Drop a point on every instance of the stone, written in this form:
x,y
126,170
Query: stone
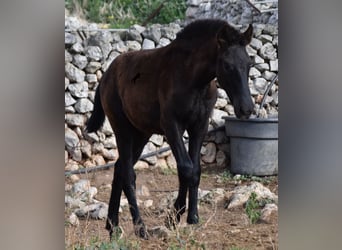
x,y
71,139
254,73
66,156
267,51
131,35
73,73
110,142
221,103
171,161
100,212
77,48
91,78
170,31
67,57
80,61
258,60
216,117
239,196
251,51
94,53
268,75
66,83
68,99
83,105
98,160
73,203
79,90
260,85
71,165
153,33
230,109
88,195
139,165
210,153
81,186
120,47
69,39
265,38
74,178
106,128
269,213
255,43
86,148
109,154
148,44
109,60
157,140
221,93
95,211
163,42
133,45
92,67
91,137
139,28
221,158
262,67
274,65
75,120
97,147
150,148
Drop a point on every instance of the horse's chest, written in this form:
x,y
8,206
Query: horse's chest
x,y
194,108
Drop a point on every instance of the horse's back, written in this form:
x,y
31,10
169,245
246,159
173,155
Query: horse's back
x,y
131,84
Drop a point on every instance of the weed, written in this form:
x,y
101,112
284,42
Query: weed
x,y
124,13
169,171
252,208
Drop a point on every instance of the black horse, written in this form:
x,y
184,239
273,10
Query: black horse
x,y
167,91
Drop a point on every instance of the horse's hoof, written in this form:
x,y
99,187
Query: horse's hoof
x,y
115,233
192,219
140,231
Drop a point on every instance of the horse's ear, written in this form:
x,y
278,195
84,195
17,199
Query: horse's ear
x,y
248,34
222,38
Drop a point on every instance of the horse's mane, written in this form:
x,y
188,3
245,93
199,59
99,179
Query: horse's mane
x,y
204,29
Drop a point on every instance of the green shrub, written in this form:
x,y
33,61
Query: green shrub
x,y
124,13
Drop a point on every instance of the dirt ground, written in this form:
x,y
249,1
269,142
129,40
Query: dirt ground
x,y
219,228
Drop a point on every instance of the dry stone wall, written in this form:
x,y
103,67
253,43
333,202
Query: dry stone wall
x,y
89,52
237,12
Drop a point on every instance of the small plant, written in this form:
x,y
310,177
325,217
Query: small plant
x,y
125,13
225,176
253,208
169,171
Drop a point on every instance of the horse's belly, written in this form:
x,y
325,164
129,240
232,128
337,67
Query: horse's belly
x,y
145,117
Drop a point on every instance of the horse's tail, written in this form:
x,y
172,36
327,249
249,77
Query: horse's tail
x,y
98,116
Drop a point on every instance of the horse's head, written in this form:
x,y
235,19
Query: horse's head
x,y
232,69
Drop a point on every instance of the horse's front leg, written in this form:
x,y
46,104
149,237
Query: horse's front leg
x,y
196,137
174,135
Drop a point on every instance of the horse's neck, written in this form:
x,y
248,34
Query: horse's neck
x,y
202,64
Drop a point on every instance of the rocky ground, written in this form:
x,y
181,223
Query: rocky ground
x,y
224,222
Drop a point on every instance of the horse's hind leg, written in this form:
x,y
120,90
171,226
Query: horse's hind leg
x,y
129,187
